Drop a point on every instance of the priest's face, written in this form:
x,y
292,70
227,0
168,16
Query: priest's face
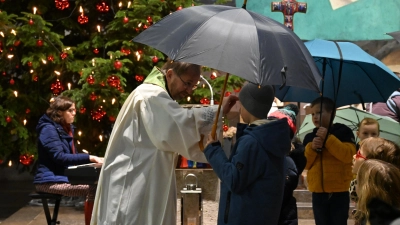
x,y
182,85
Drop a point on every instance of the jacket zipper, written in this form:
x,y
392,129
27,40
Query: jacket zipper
x,y
228,201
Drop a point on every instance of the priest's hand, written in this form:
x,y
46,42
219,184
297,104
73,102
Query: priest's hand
x,y
229,103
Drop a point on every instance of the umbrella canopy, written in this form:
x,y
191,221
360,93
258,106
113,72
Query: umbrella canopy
x,y
395,35
351,117
234,40
350,75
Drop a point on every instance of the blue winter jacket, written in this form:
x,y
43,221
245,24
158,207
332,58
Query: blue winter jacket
x,y
55,152
252,179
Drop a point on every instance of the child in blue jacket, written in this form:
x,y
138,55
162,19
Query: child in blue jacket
x,y
253,178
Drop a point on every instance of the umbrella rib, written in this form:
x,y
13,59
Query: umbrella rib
x,y
370,77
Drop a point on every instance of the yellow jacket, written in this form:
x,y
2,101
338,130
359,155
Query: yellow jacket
x,y
330,170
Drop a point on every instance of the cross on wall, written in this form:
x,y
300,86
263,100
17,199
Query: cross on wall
x,y
289,8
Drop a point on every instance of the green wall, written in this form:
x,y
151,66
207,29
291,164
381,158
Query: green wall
x,y
360,20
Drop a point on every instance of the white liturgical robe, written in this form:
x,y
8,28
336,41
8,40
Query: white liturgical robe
x,y
137,183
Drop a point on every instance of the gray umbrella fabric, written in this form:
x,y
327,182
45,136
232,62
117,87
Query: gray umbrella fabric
x,y
395,35
234,40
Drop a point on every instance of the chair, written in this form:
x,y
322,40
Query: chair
x,y
44,197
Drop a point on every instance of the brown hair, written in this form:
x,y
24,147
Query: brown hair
x,y
60,104
327,104
368,121
377,179
382,149
180,67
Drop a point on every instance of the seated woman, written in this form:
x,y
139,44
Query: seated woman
x,y
57,151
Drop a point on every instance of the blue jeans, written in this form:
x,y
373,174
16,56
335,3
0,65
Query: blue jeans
x,y
331,208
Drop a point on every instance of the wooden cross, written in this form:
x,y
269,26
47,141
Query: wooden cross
x,y
289,8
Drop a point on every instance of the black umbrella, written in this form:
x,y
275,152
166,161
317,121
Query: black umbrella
x,y
234,40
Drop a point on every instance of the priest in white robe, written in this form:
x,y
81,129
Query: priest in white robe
x,y
137,184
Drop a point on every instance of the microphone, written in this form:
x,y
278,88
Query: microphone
x,y
209,86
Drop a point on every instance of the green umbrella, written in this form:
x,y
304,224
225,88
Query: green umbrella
x,y
351,117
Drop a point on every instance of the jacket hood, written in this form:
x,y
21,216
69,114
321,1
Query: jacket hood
x,y
45,120
272,134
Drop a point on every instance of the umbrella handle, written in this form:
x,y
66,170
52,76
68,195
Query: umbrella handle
x,y
244,4
214,127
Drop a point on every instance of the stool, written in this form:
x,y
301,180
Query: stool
x,y
44,196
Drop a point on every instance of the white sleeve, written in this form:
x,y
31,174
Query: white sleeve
x,y
173,128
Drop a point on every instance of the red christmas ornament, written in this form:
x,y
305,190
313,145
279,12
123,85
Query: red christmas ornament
x,y
125,20
12,82
17,42
225,127
90,80
179,8
63,55
82,110
117,65
204,101
93,96
56,87
50,58
96,51
126,51
227,94
82,19
139,78
8,119
145,27
27,111
31,22
140,51
102,7
113,81
212,76
120,89
39,43
29,64
62,4
149,20
111,118
35,78
98,114
155,59
26,159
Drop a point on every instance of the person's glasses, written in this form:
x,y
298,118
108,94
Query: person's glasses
x,y
187,84
71,110
358,155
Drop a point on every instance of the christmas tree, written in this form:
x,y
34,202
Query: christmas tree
x,y
81,49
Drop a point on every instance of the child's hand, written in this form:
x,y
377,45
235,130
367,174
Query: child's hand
x,y
321,133
317,143
210,139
